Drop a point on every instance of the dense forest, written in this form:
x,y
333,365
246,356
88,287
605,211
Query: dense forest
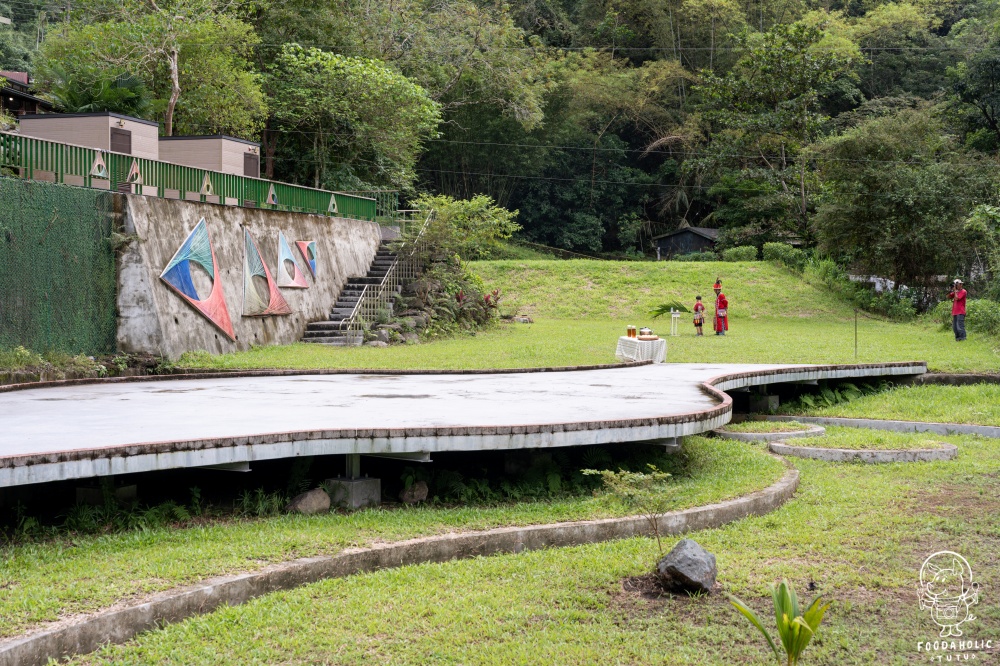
x,y
866,129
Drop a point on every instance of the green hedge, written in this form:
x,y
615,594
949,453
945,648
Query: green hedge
x,y
741,253
783,253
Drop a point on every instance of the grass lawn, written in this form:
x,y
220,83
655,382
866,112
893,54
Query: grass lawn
x,y
977,404
858,533
857,438
766,426
44,581
581,307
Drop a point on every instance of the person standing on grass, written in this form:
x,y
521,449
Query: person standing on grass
x,y
721,309
957,297
699,315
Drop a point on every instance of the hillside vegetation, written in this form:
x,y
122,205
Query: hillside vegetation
x,y
584,289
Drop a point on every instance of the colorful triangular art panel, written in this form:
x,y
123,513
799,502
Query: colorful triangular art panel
x,y
272,196
99,169
206,186
308,250
134,175
256,304
289,274
197,248
333,204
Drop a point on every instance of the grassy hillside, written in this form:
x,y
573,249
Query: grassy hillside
x,y
580,308
589,289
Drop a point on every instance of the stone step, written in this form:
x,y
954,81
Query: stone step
x,y
345,341
327,325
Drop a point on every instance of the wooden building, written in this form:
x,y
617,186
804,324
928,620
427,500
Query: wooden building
x,y
16,96
224,154
104,131
685,241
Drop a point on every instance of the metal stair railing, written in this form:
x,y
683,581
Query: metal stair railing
x,y
374,298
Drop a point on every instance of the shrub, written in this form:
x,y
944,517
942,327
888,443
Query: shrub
x,y
741,253
697,256
471,228
982,315
892,304
785,254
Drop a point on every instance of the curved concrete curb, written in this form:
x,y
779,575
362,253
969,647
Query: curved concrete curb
x,y
814,431
873,456
897,426
118,625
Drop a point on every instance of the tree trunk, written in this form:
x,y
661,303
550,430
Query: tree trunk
x,y
270,141
175,92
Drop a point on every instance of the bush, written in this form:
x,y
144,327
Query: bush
x,y
471,228
982,315
892,304
697,256
741,253
785,254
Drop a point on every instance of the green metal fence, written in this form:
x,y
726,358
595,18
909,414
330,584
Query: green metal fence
x,y
38,159
57,266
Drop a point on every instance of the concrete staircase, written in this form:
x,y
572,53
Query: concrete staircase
x,y
333,331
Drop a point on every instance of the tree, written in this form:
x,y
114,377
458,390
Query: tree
x,y
190,53
354,115
767,108
92,92
898,193
976,83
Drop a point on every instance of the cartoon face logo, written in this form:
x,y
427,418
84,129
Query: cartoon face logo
x,y
948,591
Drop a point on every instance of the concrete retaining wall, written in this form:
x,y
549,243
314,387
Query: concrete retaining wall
x,y
946,452
153,319
119,625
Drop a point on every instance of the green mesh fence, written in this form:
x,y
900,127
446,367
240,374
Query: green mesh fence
x,y
57,267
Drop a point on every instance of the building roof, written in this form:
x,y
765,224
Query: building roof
x,y
704,232
17,77
209,136
49,116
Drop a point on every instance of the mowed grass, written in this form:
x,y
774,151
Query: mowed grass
x,y
857,533
858,439
580,308
977,404
42,582
766,426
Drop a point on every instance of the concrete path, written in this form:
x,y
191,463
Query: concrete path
x,y
80,431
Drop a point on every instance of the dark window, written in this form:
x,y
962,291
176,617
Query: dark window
x,y
251,165
121,141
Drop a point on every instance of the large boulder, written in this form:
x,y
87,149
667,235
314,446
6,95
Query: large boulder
x,y
417,492
687,568
313,501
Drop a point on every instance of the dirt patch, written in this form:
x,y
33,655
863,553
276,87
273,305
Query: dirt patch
x,y
643,596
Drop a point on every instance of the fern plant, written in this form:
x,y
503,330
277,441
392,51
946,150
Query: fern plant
x,y
795,630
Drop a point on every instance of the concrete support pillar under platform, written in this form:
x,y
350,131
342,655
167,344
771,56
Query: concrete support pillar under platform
x,y
351,491
355,493
766,404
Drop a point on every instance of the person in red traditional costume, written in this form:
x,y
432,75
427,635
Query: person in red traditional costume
x,y
699,316
721,309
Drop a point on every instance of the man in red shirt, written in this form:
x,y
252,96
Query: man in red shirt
x,y
721,309
957,296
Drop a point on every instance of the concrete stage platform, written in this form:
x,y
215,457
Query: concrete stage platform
x,y
84,430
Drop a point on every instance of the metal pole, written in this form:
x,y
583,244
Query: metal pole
x,y
855,334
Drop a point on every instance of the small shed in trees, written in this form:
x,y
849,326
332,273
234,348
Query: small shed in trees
x,y
685,241
224,154
104,131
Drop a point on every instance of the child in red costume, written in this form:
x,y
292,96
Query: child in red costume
x,y
699,315
721,309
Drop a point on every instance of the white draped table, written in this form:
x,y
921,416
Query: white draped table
x,y
631,349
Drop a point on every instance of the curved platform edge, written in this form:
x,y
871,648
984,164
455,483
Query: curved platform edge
x,y
117,625
152,456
